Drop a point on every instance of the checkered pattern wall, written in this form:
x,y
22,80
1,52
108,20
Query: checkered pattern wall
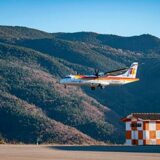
x,y
142,132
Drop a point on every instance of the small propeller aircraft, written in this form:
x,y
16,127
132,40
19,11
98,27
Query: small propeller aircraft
x,y
101,80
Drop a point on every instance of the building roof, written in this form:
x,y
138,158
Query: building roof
x,y
143,116
147,116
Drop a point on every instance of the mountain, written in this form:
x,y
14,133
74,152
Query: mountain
x,y
34,105
15,33
143,43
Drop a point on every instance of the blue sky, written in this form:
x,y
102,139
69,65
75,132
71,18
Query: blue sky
x,y
120,17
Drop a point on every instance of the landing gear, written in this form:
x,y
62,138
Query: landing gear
x,y
93,88
102,87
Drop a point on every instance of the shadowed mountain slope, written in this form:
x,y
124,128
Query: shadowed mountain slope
x,y
32,62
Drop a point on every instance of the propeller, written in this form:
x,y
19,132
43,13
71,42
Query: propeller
x,y
96,72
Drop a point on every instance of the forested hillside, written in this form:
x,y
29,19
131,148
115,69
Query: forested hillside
x,y
34,105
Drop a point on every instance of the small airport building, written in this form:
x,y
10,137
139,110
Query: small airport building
x,y
142,129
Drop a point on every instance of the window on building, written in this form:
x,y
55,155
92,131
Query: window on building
x,y
136,124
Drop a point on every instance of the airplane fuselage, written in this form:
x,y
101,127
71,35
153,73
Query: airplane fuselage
x,y
102,80
96,81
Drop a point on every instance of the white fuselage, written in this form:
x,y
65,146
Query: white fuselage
x,y
95,81
102,80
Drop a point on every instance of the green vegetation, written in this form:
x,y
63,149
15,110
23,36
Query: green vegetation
x,y
22,122
31,77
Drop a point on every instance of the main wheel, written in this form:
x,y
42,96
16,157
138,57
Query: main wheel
x,y
102,87
93,88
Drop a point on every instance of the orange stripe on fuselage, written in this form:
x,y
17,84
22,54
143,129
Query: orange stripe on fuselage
x,y
118,78
105,78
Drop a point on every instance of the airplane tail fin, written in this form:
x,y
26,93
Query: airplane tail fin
x,y
132,71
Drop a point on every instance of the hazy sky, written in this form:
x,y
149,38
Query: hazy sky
x,y
121,17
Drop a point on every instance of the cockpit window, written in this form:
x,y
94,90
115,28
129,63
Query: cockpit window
x,y
67,77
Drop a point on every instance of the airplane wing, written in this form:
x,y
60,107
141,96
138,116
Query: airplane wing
x,y
116,72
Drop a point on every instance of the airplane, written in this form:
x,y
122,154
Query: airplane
x,y
101,80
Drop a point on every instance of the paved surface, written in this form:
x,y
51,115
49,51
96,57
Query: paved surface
x,y
46,152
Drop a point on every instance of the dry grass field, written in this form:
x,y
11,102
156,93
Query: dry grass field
x,y
48,152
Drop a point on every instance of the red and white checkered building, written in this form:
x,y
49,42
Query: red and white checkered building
x,y
142,129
